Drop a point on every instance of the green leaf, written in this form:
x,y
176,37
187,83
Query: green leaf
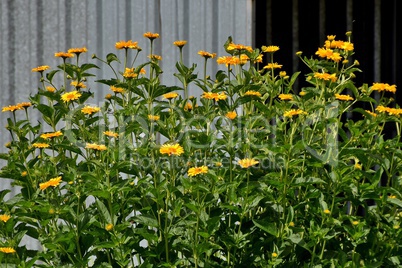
x,y
103,211
146,220
112,57
266,226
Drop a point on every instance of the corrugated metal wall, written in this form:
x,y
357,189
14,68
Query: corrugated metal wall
x,y
31,31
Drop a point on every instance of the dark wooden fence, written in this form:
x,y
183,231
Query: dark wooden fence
x,y
304,24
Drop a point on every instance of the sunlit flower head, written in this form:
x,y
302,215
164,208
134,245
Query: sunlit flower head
x,y
7,250
188,106
274,65
51,135
228,60
239,47
40,69
343,97
269,49
206,55
111,134
24,173
180,43
109,227
383,87
11,108
231,115
153,117
171,149
282,74
117,89
331,37
274,254
40,145
327,211
77,84
94,146
194,171
151,36
247,162
127,45
293,112
170,95
4,217
129,73
214,96
50,89
90,110
252,93
52,182
326,76
347,46
285,97
389,110
63,55
70,96
78,50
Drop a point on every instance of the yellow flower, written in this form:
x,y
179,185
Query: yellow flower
x,y
111,134
231,115
63,55
52,182
299,53
228,60
70,96
153,117
40,69
252,93
383,87
232,46
109,227
4,217
343,97
358,166
331,37
194,171
127,44
273,66
355,222
170,149
347,46
390,111
180,43
327,211
24,173
285,96
51,135
151,36
155,57
77,50
11,108
291,224
188,106
90,110
269,49
99,147
302,93
50,89
129,73
143,71
78,84
293,112
170,95
108,96
40,145
371,113
214,96
326,76
7,250
247,162
117,89
206,55
274,254
282,74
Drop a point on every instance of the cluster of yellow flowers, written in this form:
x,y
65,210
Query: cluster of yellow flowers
x,y
390,111
18,106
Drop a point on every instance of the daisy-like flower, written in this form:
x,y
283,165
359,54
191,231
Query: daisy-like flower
x,y
171,149
269,49
50,89
109,227
70,96
98,147
77,50
51,135
247,162
129,73
326,76
239,47
151,36
274,65
293,112
153,117
214,96
117,89
343,97
11,108
90,110
40,69
180,43
390,111
231,115
7,250
286,97
63,55
170,95
155,57
188,106
24,105
78,84
347,46
383,87
4,217
127,44
282,74
40,145
111,134
252,93
228,60
52,182
194,171
206,55
327,211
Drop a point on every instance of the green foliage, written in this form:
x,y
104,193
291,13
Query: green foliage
x,y
252,173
